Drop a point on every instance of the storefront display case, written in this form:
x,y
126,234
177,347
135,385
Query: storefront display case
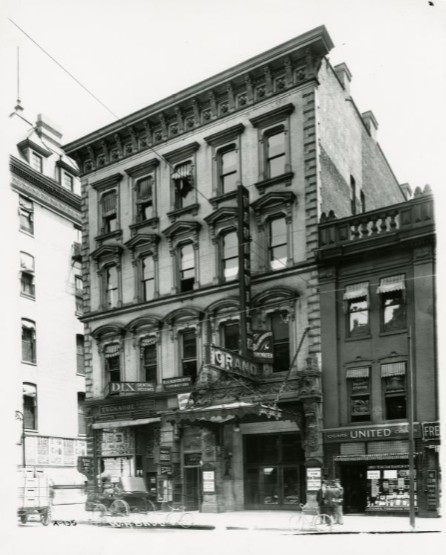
x,y
388,488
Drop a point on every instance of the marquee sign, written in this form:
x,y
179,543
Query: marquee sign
x,y
232,362
131,387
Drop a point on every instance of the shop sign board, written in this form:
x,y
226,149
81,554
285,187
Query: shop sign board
x,y
176,383
369,433
208,481
314,477
244,264
233,363
262,346
165,469
131,387
431,430
432,493
165,454
192,459
373,474
122,408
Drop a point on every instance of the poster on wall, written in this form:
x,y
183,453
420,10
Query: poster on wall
x,y
208,481
56,450
373,474
68,452
313,479
42,450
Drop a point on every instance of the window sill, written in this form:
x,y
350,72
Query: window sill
x,y
112,234
29,233
81,375
359,337
192,209
151,222
284,179
393,332
31,430
30,297
215,201
29,363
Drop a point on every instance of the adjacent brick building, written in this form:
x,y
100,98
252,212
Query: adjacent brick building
x,y
377,295
168,397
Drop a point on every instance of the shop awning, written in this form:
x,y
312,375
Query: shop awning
x,y
389,284
124,423
224,412
356,291
377,457
394,369
362,372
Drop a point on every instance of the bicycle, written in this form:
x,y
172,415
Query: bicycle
x,y
302,522
173,518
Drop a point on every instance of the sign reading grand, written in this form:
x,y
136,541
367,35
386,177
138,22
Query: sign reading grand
x,y
231,362
368,433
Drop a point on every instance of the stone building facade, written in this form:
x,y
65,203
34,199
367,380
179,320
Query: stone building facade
x,y
267,144
377,294
46,300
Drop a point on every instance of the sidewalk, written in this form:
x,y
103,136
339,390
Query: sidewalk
x,y
251,520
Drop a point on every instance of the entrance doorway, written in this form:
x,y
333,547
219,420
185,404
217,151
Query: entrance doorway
x,y
354,481
192,487
274,471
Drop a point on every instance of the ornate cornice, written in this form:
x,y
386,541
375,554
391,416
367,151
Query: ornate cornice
x,y
269,74
44,189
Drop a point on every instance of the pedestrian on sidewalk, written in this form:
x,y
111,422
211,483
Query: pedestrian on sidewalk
x,y
339,500
330,500
320,497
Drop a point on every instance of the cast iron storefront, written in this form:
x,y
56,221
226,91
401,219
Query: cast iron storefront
x,y
373,465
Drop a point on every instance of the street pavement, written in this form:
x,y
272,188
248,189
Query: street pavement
x,y
246,520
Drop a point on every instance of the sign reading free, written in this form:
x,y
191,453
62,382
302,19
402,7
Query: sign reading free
x,y
232,362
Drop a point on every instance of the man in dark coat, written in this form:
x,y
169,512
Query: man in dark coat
x,y
330,500
320,497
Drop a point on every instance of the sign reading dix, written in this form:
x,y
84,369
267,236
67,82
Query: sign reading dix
x,y
369,433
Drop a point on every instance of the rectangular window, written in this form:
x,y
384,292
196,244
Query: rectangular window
x,y
353,194
78,291
144,199
112,363
231,336
230,256
36,162
394,385
281,341
30,406
392,293
81,423
277,246
67,181
362,195
150,362
111,287
183,186
356,303
359,392
187,267
28,341
275,154
109,215
27,286
189,354
26,215
227,168
148,278
80,369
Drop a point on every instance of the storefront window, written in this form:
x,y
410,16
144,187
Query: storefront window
x,y
388,488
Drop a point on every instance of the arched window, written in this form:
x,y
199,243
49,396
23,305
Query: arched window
x,y
112,362
230,335
277,243
279,322
229,256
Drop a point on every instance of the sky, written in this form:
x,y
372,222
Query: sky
x,y
133,53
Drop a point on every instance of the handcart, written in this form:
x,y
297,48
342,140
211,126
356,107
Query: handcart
x,y
34,495
130,495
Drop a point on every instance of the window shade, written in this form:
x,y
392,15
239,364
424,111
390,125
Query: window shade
x,y
394,369
109,203
362,372
389,284
112,350
356,291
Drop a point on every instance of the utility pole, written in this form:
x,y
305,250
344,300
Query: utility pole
x,y
410,411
